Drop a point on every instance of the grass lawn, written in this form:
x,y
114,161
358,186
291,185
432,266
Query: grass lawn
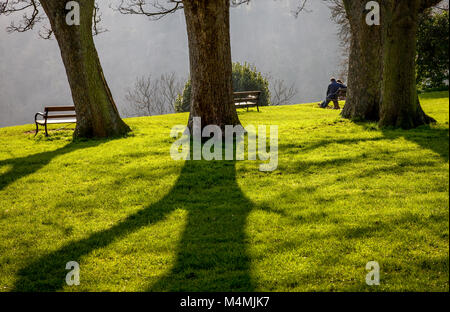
x,y
344,194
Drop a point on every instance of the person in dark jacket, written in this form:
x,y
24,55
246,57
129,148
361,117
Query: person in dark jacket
x,y
332,93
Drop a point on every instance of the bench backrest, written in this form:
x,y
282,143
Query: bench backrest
x,y
246,96
53,110
342,92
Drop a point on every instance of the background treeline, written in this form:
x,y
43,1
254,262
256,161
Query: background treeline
x,y
432,60
169,93
432,69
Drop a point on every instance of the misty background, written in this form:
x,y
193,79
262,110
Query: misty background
x,y
304,51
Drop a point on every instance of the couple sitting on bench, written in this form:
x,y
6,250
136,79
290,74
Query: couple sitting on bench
x,y
334,91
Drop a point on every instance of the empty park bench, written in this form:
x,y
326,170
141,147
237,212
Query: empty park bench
x,y
52,115
247,99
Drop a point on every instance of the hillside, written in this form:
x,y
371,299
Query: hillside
x,y
344,194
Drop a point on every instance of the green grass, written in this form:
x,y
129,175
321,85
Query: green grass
x,y
344,194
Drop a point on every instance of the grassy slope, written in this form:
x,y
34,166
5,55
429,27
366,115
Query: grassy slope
x,y
344,194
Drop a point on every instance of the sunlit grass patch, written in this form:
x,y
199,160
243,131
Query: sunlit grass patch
x,y
344,194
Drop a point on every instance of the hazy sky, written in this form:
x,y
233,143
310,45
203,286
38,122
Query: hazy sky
x,y
264,33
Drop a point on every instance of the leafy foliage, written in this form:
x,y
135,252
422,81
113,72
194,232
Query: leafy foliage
x,y
246,77
432,50
183,102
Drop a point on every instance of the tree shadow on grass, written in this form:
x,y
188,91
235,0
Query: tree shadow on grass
x,y
24,166
323,143
428,137
211,255
434,139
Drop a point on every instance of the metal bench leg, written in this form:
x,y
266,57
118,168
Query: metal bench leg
x,y
257,107
46,132
37,129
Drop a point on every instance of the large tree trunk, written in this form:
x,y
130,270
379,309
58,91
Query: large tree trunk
x,y
365,65
208,29
97,114
400,106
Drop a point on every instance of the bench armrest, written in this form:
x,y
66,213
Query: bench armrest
x,y
40,114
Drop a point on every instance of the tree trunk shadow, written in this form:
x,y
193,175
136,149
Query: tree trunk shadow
x,y
436,140
24,166
212,253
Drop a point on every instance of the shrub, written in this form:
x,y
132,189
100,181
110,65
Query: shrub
x,y
183,102
245,78
432,51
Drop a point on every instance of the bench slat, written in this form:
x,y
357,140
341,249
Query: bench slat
x,y
243,96
59,108
60,116
246,92
56,121
246,101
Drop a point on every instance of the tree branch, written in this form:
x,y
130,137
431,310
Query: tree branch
x,y
28,21
145,7
32,15
301,7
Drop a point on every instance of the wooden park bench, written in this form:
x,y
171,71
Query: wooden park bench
x,y
52,115
342,94
247,99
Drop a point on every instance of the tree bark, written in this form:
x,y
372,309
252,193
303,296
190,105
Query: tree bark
x,y
365,65
400,106
208,29
97,114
